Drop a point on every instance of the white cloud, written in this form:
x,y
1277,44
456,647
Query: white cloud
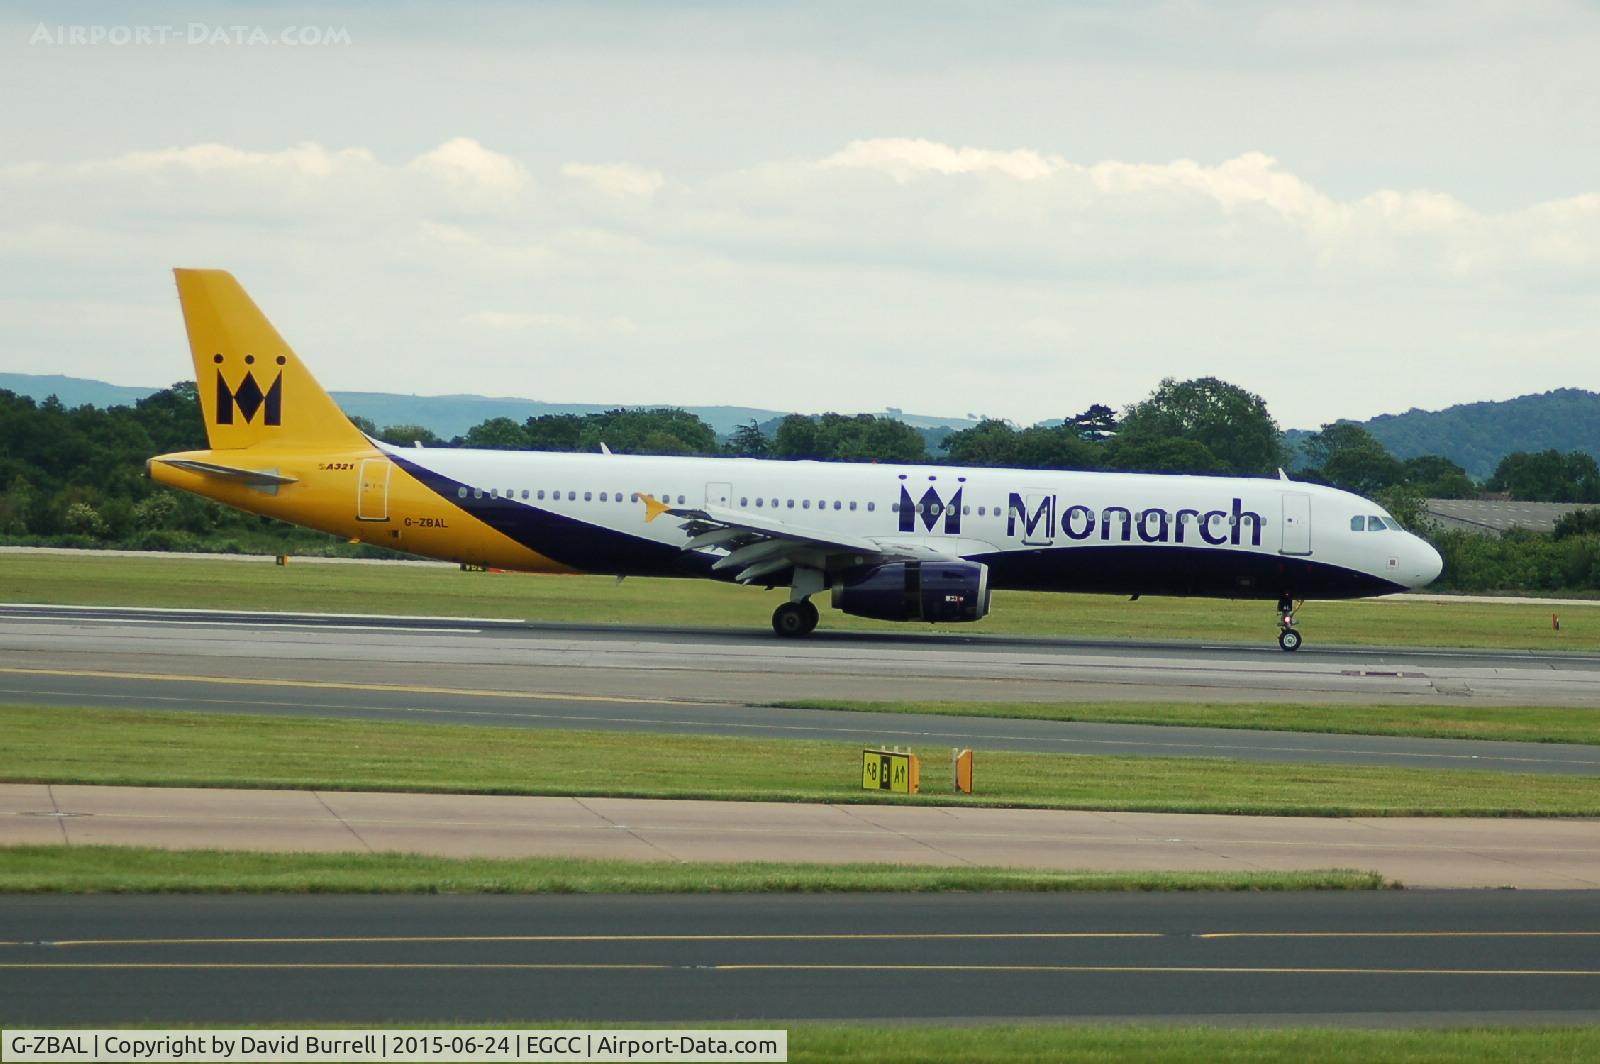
x,y
903,159
304,160
464,162
1017,273
617,179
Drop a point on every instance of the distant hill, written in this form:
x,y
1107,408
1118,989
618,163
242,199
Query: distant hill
x,y
1477,435
446,415
72,391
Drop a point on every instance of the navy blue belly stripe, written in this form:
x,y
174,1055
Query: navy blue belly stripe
x,y
1152,569
579,544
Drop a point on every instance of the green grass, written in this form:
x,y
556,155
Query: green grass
x,y
71,745
876,1044
140,870
1534,724
88,579
1089,1043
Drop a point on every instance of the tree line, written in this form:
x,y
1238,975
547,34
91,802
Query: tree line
x,y
76,475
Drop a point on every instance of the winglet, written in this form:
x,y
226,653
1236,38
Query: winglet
x,y
653,508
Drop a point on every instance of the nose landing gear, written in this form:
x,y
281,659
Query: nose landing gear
x,y
1288,635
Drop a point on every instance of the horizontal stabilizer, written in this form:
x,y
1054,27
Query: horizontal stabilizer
x,y
254,477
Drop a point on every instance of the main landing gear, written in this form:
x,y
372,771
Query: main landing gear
x,y
1288,635
798,616
794,619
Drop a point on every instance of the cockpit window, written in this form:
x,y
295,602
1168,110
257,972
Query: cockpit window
x,y
1358,524
1375,524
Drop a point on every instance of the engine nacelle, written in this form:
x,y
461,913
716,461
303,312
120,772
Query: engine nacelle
x,y
916,591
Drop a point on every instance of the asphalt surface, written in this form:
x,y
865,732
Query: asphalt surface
x,y
700,682
1541,853
1367,959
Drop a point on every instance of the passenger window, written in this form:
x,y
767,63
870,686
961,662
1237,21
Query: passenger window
x,y
588,496
980,511
603,497
871,506
790,504
461,492
805,504
836,504
572,496
894,507
759,500
680,500
743,502
852,504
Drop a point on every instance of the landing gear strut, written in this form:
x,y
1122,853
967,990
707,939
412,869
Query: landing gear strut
x,y
794,619
1288,636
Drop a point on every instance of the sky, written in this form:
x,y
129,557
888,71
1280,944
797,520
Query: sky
x,y
1010,210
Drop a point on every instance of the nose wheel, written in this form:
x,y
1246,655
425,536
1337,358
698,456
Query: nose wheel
x,y
794,619
1288,635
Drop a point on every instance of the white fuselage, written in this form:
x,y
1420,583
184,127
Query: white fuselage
x,y
1198,534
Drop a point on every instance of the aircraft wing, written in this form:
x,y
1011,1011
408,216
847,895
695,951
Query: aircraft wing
x,y
760,546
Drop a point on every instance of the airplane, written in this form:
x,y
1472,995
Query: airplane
x,y
887,541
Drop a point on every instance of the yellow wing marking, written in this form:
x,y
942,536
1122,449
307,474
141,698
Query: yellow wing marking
x,y
653,508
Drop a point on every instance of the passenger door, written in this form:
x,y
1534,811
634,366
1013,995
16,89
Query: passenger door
x,y
1296,525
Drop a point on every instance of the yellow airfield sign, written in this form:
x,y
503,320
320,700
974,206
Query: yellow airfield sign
x,y
889,770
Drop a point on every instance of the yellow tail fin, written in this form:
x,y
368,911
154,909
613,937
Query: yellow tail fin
x,y
253,388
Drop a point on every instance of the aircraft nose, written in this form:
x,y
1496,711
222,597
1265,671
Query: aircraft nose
x,y
1428,564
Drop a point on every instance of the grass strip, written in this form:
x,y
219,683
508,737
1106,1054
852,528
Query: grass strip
x,y
141,870
986,1044
1092,1043
1532,724
136,747
304,585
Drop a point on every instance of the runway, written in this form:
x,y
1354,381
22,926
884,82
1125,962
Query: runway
x,y
749,666
1371,959
707,682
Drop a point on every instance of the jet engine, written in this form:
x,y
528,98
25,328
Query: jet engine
x,y
916,591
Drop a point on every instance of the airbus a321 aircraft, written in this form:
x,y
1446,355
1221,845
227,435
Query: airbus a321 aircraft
x,y
893,542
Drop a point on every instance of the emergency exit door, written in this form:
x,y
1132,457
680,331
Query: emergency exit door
x,y
372,494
